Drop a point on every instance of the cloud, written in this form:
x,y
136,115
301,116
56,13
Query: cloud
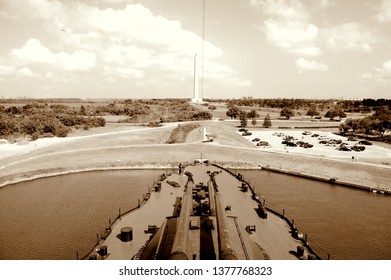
x,y
309,51
349,36
25,71
116,41
311,65
287,9
6,70
291,36
33,52
383,73
325,4
380,74
384,11
137,23
288,26
79,60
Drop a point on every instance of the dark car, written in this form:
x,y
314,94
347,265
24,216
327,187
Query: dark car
x,y
246,133
255,139
291,144
263,143
358,148
364,142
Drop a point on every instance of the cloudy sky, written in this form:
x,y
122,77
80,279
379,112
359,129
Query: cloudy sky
x,y
145,49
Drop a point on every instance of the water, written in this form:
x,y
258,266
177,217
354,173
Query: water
x,y
53,218
346,223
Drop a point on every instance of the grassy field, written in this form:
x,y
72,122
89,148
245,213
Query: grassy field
x,y
130,145
181,132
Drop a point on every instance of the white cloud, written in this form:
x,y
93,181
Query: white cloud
x,y
366,76
309,51
79,60
380,74
324,4
127,72
115,1
291,35
25,71
289,28
121,41
33,52
287,9
304,64
387,65
349,36
384,11
137,23
6,70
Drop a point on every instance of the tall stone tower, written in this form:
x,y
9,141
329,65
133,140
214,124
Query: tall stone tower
x,y
196,95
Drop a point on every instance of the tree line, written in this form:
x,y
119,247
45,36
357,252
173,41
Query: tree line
x,y
364,105
46,119
38,120
377,124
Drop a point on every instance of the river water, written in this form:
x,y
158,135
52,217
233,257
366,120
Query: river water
x,y
53,218
343,222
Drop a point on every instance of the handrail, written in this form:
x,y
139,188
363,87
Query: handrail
x,y
282,215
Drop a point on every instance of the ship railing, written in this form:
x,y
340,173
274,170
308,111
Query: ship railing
x,y
100,238
311,246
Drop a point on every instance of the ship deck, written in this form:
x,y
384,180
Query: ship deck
x,y
272,235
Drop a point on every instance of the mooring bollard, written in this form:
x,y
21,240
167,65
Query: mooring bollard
x,y
300,251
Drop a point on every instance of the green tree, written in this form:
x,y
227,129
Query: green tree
x,y
335,112
252,114
232,112
312,111
267,122
83,110
243,118
287,112
212,107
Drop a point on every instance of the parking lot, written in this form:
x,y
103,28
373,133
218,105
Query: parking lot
x,y
315,142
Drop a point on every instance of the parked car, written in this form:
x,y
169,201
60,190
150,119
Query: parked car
x,y
364,142
246,133
304,144
352,138
255,139
344,147
279,134
358,148
307,133
263,143
291,144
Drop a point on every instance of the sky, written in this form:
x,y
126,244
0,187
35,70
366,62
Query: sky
x,y
245,48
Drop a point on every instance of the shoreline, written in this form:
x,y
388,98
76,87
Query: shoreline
x,y
172,166
46,174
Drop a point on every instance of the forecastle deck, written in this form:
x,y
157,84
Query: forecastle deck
x,y
209,216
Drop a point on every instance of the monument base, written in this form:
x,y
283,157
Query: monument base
x,y
197,100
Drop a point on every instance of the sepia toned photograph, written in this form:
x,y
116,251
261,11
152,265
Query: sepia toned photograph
x,y
195,130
